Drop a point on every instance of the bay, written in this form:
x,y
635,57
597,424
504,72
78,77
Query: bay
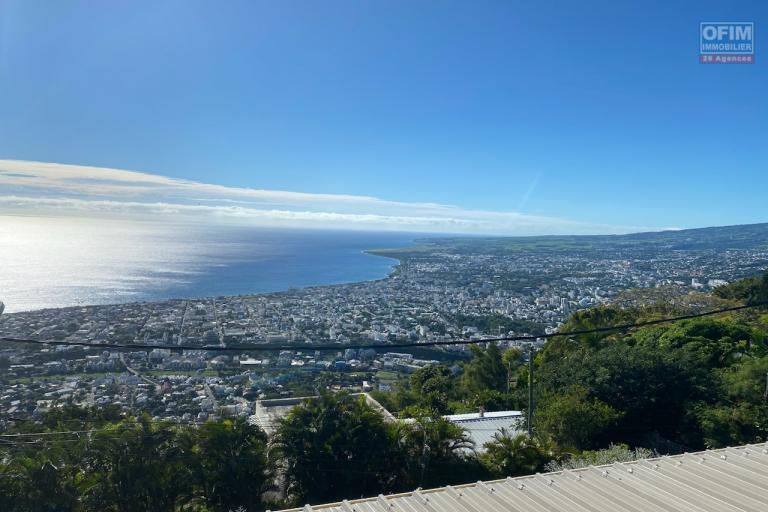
x,y
56,262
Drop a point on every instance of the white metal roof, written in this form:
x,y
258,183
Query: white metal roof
x,y
482,427
483,430
724,480
483,415
268,413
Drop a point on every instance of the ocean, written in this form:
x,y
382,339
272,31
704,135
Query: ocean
x,y
57,262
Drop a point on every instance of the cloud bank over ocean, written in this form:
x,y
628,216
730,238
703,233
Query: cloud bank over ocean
x,y
53,189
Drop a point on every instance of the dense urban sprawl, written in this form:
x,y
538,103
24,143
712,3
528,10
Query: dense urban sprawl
x,y
443,290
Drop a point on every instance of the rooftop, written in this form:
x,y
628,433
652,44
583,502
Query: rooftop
x,y
728,479
268,413
482,427
472,416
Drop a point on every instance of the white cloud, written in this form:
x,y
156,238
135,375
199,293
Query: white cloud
x,y
59,189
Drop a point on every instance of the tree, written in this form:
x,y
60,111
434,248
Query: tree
x,y
654,378
730,425
435,451
39,480
11,489
512,359
575,421
140,465
489,400
592,318
486,370
232,468
513,455
335,447
707,342
753,290
64,418
744,417
747,380
431,386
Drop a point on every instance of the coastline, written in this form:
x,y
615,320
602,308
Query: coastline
x,y
388,253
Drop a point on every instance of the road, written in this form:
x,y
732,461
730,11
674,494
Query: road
x,y
138,374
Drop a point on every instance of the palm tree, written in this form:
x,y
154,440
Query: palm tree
x,y
139,465
334,447
434,451
232,470
514,455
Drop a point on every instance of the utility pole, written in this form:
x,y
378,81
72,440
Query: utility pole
x,y
509,375
530,391
765,395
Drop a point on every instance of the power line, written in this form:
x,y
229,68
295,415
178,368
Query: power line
x,y
18,439
307,346
27,434
619,327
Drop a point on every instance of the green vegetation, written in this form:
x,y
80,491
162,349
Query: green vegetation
x,y
514,455
614,453
575,419
751,290
686,385
336,446
718,238
333,445
496,323
691,384
599,398
132,464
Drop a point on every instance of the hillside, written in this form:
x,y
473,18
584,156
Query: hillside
x,y
722,238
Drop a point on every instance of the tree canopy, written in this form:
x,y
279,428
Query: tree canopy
x,y
659,389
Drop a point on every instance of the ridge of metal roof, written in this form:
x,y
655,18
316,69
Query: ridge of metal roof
x,y
720,480
473,416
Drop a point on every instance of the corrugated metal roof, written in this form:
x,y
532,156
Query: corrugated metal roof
x,y
268,413
483,415
482,429
728,479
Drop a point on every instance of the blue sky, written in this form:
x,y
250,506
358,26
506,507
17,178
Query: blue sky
x,y
593,113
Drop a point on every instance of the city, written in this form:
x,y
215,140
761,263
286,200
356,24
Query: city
x,y
443,290
383,256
